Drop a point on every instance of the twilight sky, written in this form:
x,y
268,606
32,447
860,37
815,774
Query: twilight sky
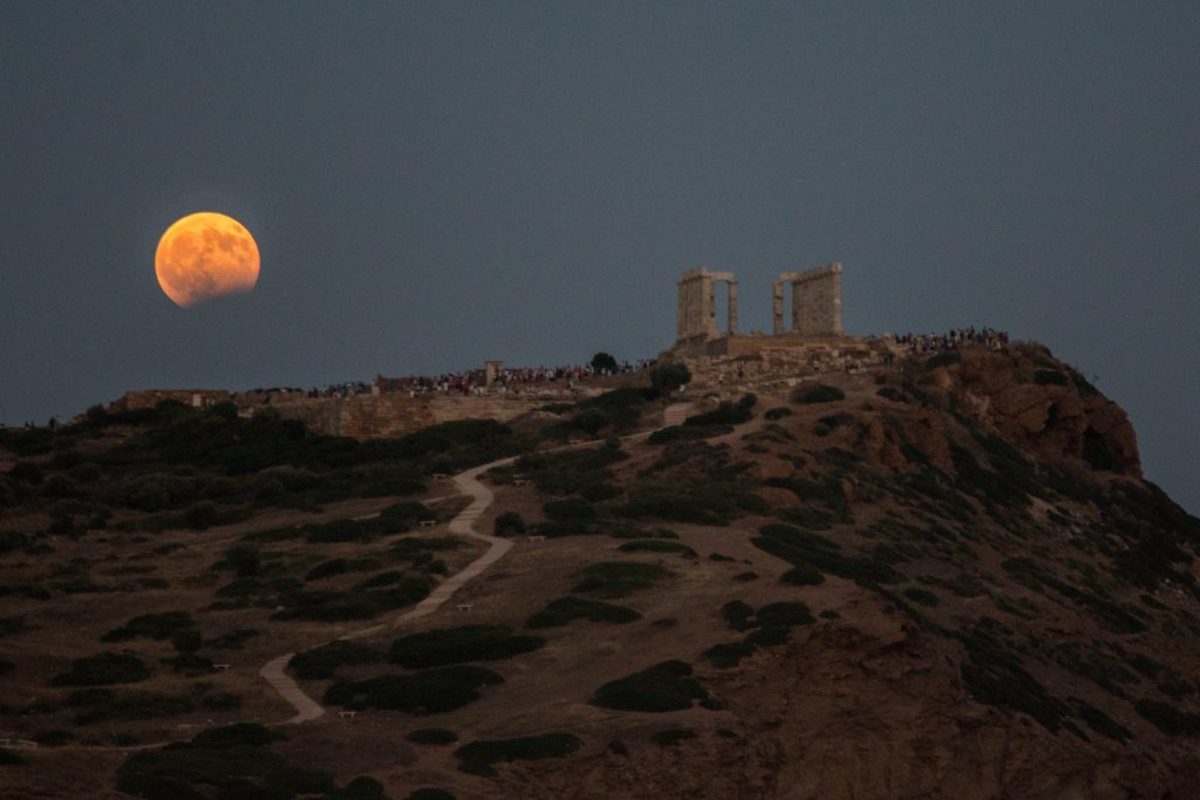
x,y
435,184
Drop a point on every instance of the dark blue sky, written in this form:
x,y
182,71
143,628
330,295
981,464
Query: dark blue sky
x,y
433,184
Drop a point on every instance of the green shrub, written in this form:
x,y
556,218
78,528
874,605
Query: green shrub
x,y
768,636
925,598
430,794
1102,724
567,609
777,413
944,359
657,546
567,472
619,578
151,626
667,686
724,414
570,509
509,523
1169,719
432,736
711,504
802,576
202,515
737,614
104,668
235,762
784,614
666,378
604,361
818,394
996,677
457,645
10,759
807,549
344,530
344,606
245,560
323,661
58,485
431,691
134,706
1050,377
478,757
399,517
672,737
241,734
12,540
893,394
727,656
675,433
361,788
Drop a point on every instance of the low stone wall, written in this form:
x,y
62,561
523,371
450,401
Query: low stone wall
x,y
138,399
389,415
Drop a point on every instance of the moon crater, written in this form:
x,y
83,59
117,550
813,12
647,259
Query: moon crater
x,y
204,256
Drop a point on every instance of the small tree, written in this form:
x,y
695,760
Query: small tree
x,y
666,378
603,361
245,560
509,523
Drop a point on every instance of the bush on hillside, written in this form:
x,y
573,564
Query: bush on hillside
x,y
666,378
657,546
323,662
509,523
667,686
619,578
478,757
817,394
457,645
431,691
604,362
102,669
565,610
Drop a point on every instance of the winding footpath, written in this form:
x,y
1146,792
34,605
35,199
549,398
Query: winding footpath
x,y
463,524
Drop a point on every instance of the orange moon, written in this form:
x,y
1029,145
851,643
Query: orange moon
x,y
204,256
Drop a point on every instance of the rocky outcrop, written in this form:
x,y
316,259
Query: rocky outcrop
x,y
1041,405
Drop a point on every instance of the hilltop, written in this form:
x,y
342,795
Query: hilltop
x,y
939,575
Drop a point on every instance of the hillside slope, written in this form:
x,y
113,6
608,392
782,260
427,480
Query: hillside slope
x,y
940,578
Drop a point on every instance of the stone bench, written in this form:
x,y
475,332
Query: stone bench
x,y
427,523
464,606
347,714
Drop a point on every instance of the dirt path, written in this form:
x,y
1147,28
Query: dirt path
x,y
463,524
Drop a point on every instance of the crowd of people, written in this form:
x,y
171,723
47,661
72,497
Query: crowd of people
x,y
508,380
512,380
921,343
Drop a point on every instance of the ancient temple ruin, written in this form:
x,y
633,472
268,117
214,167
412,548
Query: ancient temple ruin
x,y
816,306
816,301
697,312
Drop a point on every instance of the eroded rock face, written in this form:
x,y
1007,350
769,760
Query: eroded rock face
x,y
1020,393
872,708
